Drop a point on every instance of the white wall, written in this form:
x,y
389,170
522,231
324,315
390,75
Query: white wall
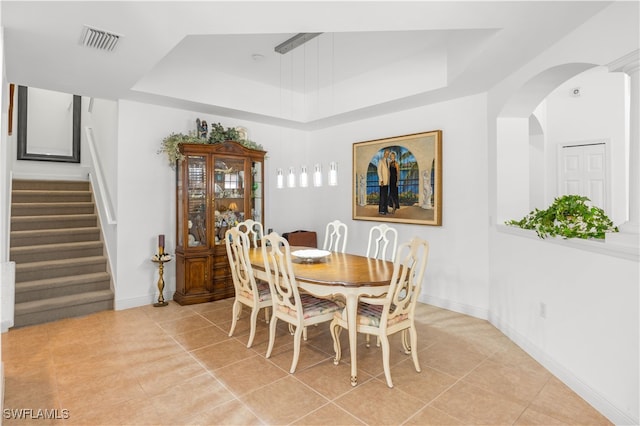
x,y
590,336
456,277
145,207
537,165
597,115
513,167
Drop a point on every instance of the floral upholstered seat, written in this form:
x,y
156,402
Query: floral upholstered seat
x,y
371,315
298,309
395,312
264,293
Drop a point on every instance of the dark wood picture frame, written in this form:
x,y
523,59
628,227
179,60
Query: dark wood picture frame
x,y
419,183
23,142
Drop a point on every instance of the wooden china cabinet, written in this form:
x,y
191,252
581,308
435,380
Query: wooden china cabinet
x,y
218,185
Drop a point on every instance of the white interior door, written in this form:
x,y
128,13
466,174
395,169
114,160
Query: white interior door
x,y
583,172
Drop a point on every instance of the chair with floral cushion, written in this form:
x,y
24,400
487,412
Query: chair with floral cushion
x,y
248,291
335,237
298,309
380,237
394,313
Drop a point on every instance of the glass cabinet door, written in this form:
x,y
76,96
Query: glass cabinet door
x,y
196,188
229,194
256,191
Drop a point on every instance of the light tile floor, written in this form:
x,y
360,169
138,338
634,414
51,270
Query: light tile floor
x,y
177,366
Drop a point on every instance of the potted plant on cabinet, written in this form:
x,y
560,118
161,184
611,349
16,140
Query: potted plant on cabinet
x,y
218,134
171,145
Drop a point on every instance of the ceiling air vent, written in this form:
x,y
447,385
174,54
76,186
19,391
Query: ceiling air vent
x,y
99,39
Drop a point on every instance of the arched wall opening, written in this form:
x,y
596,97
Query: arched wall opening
x,y
567,105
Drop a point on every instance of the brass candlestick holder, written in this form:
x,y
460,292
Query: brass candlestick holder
x,y
161,258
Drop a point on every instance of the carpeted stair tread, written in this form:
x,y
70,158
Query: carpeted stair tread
x,y
48,288
23,223
39,218
59,263
51,192
50,185
64,281
27,254
41,209
58,246
30,291
53,236
59,268
69,310
62,301
49,196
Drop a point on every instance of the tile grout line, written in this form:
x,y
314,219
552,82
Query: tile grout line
x,y
212,374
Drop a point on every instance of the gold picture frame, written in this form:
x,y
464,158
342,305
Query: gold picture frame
x,y
418,181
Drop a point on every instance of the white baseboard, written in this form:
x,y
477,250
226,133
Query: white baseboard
x,y
589,394
150,299
461,308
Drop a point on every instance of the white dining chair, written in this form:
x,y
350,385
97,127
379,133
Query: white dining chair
x,y
298,309
395,312
253,230
380,237
335,237
248,291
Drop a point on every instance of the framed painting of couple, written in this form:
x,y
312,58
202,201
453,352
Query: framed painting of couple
x,y
399,179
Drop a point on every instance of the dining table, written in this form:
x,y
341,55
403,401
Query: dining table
x,y
337,274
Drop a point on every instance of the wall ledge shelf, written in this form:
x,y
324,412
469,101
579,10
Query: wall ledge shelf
x,y
595,246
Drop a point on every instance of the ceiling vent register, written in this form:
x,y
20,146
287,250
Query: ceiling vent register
x,y
99,39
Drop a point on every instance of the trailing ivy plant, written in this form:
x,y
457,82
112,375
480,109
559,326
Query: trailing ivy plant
x,y
219,134
569,216
171,144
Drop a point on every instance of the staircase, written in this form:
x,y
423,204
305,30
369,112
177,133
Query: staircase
x,y
61,266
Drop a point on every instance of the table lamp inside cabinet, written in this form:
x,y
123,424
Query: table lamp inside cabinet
x,y
217,186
